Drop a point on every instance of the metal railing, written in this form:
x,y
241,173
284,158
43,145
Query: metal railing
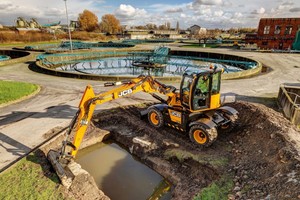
x,y
289,100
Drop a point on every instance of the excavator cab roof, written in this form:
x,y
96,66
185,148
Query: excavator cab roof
x,y
201,72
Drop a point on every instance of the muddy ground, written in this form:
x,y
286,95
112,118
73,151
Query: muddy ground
x,y
256,157
256,160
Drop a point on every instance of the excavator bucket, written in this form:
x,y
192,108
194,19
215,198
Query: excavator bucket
x,y
66,169
61,168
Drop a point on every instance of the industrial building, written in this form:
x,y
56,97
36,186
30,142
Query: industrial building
x,y
276,33
147,34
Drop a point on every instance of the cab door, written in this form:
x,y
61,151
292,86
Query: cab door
x,y
206,91
201,93
186,90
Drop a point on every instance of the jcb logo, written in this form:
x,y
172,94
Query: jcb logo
x,y
176,114
125,92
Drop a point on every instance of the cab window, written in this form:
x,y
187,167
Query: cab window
x,y
203,85
185,90
216,83
201,93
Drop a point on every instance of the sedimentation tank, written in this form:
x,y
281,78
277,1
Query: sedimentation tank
x,y
120,64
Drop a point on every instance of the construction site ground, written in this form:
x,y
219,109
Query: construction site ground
x,y
255,161
260,157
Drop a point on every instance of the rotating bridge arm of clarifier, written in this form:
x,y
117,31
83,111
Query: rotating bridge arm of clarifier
x,y
89,101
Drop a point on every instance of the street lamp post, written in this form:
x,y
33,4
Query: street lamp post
x,y
70,38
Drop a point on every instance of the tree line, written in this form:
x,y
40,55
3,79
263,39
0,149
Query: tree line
x,y
88,21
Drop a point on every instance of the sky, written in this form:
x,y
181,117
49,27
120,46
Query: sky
x,y
205,13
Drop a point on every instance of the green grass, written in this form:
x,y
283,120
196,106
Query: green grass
x,y
182,155
30,179
217,190
11,91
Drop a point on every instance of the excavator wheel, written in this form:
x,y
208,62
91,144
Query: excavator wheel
x,y
155,118
202,136
226,128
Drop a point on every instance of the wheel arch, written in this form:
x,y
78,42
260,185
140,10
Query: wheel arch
x,y
159,107
228,110
205,122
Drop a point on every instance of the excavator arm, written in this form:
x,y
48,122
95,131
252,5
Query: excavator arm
x,y
90,100
62,160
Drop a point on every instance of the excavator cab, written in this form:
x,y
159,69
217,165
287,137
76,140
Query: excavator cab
x,y
201,90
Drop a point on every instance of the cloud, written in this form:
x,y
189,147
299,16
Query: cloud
x,y
285,6
182,15
6,6
130,15
218,13
208,2
204,11
284,9
259,11
174,10
129,11
288,3
237,15
54,12
295,9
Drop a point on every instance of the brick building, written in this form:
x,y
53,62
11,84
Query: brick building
x,y
275,33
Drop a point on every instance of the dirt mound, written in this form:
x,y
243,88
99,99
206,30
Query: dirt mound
x,y
265,164
257,160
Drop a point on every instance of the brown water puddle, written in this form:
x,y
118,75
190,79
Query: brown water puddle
x,y
119,175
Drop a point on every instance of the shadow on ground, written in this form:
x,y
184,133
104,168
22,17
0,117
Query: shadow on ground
x,y
39,157
61,112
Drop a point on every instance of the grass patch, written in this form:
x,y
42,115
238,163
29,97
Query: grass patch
x,y
217,190
30,178
11,91
182,155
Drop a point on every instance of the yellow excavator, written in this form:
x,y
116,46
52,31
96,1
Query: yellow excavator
x,y
194,109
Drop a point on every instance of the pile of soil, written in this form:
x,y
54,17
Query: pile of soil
x,y
258,154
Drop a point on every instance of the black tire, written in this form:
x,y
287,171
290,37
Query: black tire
x,y
227,128
155,118
202,136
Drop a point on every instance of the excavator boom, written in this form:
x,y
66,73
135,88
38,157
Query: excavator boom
x,y
81,120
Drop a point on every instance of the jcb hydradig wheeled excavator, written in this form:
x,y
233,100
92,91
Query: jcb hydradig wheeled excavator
x,y
194,108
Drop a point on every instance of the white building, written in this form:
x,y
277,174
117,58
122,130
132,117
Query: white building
x,y
197,30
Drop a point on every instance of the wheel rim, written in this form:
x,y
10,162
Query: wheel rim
x,y
200,136
154,118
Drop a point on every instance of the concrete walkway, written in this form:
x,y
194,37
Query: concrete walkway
x,y
25,125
